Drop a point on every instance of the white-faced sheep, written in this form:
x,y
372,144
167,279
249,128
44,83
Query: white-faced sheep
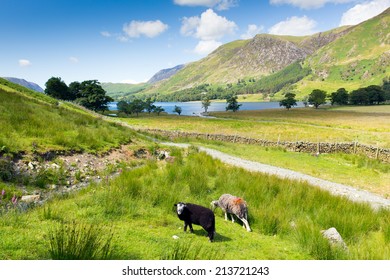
x,y
198,215
233,205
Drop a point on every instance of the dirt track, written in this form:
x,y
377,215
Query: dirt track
x,y
351,193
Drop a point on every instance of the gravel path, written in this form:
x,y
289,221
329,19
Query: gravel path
x,y
351,193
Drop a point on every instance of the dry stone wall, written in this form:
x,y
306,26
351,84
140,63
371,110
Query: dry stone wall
x,y
373,152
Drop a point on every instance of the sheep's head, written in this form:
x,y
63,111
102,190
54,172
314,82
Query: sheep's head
x,y
214,204
180,207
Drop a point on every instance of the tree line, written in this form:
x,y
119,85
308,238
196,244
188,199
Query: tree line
x,y
89,93
369,95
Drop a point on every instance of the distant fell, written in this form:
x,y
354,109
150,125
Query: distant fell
x,y
24,83
165,74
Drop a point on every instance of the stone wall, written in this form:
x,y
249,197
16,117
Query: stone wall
x,y
382,154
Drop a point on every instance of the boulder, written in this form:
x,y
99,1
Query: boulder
x,y
334,237
30,198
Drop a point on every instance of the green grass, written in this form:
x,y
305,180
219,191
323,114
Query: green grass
x,y
29,125
304,124
138,206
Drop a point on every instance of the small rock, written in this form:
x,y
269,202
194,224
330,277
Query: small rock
x,y
334,237
30,198
175,237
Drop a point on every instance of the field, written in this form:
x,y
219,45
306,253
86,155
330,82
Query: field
x,y
306,124
132,217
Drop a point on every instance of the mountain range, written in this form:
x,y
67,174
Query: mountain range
x,y
349,57
24,83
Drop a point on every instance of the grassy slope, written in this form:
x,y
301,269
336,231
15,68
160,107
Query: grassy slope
x,y
120,91
355,60
138,206
32,121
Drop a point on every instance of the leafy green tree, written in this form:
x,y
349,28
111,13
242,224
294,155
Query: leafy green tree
x,y
55,87
317,97
232,103
137,106
148,104
359,97
339,97
206,103
177,110
124,107
375,94
93,96
74,90
288,101
158,110
386,88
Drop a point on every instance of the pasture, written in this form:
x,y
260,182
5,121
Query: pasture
x,y
134,215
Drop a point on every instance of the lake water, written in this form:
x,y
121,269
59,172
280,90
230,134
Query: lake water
x,y
195,107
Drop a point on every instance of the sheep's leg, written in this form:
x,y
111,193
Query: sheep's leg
x,y
185,226
191,229
226,216
246,224
232,216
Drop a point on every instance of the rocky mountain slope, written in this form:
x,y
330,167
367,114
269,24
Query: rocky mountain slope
x,y
334,56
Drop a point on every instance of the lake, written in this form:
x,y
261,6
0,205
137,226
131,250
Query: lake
x,y
195,107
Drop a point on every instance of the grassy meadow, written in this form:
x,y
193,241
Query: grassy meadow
x,y
132,217
299,124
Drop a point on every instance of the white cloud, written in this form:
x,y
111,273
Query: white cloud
x,y
218,4
252,30
24,63
105,34
150,29
206,47
73,59
209,26
296,26
309,4
364,11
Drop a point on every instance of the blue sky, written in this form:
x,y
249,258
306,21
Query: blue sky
x,y
129,41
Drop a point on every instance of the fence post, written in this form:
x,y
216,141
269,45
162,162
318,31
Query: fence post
x,y
278,140
377,151
354,147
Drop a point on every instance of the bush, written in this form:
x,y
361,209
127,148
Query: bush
x,y
7,170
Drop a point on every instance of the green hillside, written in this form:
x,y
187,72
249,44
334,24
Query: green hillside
x,y
120,91
348,56
357,59
34,122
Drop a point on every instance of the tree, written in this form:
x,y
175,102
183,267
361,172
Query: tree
x,y
177,110
158,110
386,88
57,88
232,103
124,107
359,97
137,106
317,97
375,94
339,97
206,103
288,101
93,96
74,90
149,107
